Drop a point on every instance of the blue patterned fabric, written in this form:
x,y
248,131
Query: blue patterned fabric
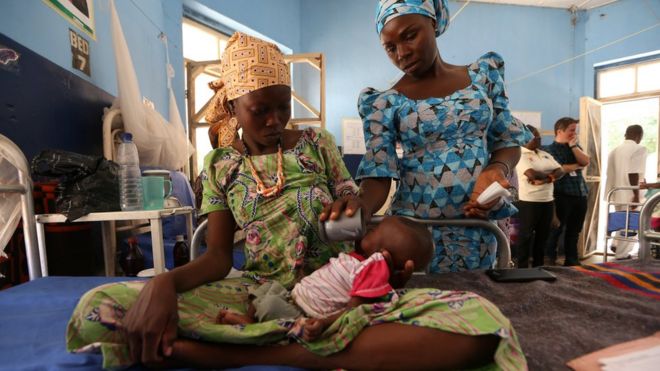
x,y
568,185
435,9
446,142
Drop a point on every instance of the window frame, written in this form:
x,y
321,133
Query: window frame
x,y
634,63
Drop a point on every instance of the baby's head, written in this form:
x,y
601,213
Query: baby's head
x,y
403,239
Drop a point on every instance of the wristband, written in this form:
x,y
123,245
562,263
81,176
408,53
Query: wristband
x,y
573,146
507,171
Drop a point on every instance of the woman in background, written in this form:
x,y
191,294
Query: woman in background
x,y
537,171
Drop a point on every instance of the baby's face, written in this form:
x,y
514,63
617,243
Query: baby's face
x,y
390,235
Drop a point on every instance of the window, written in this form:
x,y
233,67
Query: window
x,y
640,79
201,43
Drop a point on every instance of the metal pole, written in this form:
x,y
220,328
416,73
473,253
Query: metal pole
x,y
644,218
504,258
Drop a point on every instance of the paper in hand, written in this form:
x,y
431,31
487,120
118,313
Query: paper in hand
x,y
493,192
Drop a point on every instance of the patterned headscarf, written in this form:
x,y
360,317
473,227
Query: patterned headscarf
x,y
435,9
247,64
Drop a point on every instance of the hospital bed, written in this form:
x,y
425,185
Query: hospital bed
x,y
584,310
556,321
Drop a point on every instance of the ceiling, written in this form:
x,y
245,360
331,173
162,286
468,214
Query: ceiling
x,y
566,4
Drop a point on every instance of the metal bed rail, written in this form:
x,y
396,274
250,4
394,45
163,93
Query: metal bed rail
x,y
646,235
628,209
503,248
24,189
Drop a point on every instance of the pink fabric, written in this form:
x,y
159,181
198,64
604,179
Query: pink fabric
x,y
655,223
372,279
329,289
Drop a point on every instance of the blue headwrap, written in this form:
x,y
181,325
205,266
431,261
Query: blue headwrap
x,y
434,9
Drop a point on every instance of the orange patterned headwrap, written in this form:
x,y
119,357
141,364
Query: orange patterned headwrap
x,y
247,64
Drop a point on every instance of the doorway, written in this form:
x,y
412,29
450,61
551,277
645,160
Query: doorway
x,y
616,116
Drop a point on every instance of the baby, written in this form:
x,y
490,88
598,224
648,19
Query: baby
x,y
345,282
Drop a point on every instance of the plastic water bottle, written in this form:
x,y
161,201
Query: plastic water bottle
x,y
130,178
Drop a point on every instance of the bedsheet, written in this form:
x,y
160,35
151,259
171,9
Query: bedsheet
x,y
586,309
33,319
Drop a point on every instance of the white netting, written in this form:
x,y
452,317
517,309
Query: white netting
x,y
160,143
11,162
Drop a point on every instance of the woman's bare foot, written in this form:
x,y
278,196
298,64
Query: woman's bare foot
x,y
227,317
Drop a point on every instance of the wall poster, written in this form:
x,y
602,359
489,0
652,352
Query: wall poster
x,y
78,12
352,136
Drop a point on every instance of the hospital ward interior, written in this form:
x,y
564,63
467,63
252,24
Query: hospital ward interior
x,y
235,184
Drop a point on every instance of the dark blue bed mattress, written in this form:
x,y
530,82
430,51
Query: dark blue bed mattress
x,y
33,319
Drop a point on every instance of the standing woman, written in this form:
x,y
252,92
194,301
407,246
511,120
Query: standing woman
x,y
455,128
537,171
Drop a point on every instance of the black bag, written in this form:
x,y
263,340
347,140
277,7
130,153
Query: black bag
x,y
86,183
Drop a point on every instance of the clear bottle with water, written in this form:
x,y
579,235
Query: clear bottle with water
x,y
130,178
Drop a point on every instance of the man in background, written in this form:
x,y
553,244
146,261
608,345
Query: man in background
x,y
570,191
626,166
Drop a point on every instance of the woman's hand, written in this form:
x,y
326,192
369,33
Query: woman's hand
x,y
555,223
347,205
373,194
150,325
492,173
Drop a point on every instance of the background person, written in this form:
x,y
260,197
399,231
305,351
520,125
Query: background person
x,y
626,165
570,191
537,171
452,149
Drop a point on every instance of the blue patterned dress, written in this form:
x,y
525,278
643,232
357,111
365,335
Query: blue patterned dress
x,y
446,142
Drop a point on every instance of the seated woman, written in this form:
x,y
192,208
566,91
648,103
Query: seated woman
x,y
273,183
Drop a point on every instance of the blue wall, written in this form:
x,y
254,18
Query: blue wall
x,y
528,38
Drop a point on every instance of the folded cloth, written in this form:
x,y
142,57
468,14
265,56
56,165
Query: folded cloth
x,y
590,362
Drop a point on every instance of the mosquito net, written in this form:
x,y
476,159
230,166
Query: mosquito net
x,y
160,143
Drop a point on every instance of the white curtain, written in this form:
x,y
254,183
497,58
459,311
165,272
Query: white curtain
x,y
590,140
160,143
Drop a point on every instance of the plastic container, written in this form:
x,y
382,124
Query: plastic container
x,y
133,262
130,178
180,252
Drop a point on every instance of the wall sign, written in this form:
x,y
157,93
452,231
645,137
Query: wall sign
x,y
79,12
79,52
352,136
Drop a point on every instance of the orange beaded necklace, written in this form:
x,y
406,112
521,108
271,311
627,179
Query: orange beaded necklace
x,y
261,188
